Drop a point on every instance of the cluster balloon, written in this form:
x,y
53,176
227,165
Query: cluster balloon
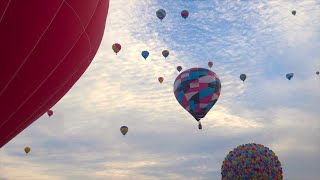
x,y
179,68
184,14
197,90
165,53
289,76
124,130
294,12
116,47
210,64
243,77
160,79
251,161
50,112
145,54
27,150
56,47
161,14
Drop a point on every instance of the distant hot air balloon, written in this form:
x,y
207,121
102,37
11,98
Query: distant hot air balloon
x,y
161,14
210,64
116,47
184,14
50,112
289,76
294,12
145,54
46,46
197,90
27,150
243,77
124,130
251,161
165,53
160,79
179,68
317,72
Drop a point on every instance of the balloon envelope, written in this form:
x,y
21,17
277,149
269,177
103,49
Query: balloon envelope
x,y
161,14
165,53
317,72
197,90
160,79
50,113
243,77
289,76
250,161
184,14
124,130
45,48
27,150
294,12
210,64
116,47
145,54
179,68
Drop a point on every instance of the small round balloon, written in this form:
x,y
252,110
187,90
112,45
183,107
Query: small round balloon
x,y
160,79
184,14
179,68
317,72
289,76
243,77
124,130
116,47
145,54
27,150
161,14
210,64
165,53
294,12
251,161
50,112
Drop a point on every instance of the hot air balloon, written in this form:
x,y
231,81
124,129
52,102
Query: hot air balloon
x,y
45,48
27,150
210,64
251,161
243,77
294,12
145,54
160,79
289,76
197,90
50,112
124,130
179,68
116,47
317,72
161,14
165,53
184,14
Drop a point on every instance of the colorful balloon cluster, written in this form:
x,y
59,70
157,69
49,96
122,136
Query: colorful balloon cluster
x,y
251,161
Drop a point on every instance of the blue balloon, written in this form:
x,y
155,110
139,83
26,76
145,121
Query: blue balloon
x,y
289,76
145,54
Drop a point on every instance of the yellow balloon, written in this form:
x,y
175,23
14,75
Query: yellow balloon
x,y
27,150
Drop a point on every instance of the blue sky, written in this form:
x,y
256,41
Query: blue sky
x,y
259,38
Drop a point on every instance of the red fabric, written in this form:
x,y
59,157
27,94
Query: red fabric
x,y
45,48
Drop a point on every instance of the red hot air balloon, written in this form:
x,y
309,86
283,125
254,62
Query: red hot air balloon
x,y
210,64
50,112
45,48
